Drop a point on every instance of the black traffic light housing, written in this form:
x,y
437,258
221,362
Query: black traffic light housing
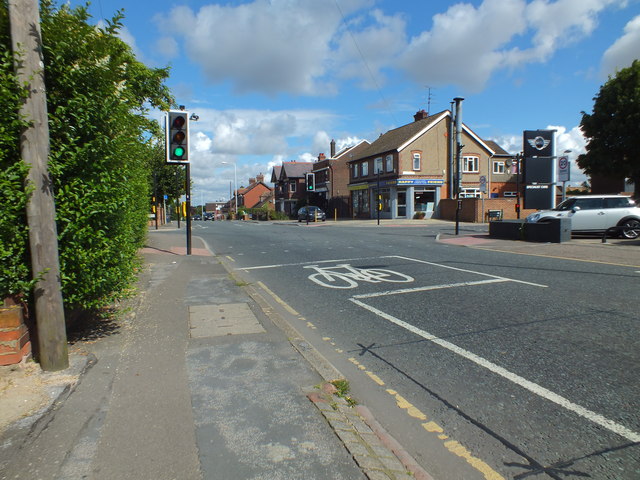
x,y
310,180
177,136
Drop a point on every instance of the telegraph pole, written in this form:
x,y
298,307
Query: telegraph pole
x,y
26,42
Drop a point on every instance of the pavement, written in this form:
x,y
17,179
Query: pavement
x,y
199,376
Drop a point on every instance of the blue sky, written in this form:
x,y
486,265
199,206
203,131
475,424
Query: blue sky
x,y
276,80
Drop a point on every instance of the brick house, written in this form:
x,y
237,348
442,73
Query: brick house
x,y
289,185
256,195
409,167
332,179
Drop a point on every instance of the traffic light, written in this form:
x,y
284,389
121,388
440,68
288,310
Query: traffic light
x,y
177,136
311,182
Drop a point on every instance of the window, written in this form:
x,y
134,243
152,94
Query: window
x,y
377,165
470,164
292,186
355,170
416,161
618,202
470,193
389,163
589,203
365,169
498,167
510,194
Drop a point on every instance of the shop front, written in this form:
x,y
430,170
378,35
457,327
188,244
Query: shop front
x,y
401,198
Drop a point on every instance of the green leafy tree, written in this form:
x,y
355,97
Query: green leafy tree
x,y
613,128
103,146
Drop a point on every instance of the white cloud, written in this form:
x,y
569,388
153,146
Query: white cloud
x,y
364,51
267,46
306,47
468,44
464,45
167,47
557,25
624,51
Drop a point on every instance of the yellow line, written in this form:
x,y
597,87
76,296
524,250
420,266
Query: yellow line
x,y
374,377
557,257
488,472
278,299
230,259
405,405
432,427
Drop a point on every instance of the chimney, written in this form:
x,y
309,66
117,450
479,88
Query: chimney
x,y
321,157
252,181
333,148
260,178
420,114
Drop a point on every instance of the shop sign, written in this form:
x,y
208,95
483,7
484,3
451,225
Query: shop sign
x,y
419,181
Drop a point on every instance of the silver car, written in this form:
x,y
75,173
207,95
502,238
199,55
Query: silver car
x,y
596,213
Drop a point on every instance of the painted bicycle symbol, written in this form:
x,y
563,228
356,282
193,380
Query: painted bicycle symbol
x,y
346,276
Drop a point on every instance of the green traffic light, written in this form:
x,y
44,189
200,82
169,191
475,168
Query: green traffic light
x,y
178,152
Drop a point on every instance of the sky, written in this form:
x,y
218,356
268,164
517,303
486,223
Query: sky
x,y
277,80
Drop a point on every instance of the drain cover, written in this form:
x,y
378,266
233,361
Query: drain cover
x,y
220,320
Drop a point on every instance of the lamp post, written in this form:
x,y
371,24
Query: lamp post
x,y
235,184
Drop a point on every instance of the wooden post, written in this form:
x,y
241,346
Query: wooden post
x,y
26,41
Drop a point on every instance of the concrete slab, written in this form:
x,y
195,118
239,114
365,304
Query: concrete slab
x,y
220,320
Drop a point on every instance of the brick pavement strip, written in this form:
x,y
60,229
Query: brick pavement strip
x,y
376,460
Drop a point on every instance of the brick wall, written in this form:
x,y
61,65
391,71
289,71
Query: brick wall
x,y
474,210
14,336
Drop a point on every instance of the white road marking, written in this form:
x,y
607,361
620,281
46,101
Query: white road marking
x,y
466,270
430,287
524,383
261,267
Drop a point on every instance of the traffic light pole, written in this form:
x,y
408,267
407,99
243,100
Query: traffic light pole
x,y
188,195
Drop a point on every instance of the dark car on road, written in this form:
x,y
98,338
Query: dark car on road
x,y
314,214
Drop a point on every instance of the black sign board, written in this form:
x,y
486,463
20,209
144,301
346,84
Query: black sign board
x,y
538,143
538,170
538,197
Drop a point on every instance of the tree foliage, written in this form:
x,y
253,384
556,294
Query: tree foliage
x,y
103,147
613,128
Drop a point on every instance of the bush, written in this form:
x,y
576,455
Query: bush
x,y
102,149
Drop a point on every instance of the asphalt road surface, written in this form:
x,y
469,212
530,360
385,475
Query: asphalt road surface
x,y
481,364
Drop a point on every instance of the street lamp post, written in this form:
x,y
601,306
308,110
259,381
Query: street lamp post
x,y
235,184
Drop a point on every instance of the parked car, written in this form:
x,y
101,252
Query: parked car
x,y
315,214
595,214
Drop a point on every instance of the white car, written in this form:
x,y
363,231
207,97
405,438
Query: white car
x,y
596,213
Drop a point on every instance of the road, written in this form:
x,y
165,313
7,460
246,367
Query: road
x,y
482,364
